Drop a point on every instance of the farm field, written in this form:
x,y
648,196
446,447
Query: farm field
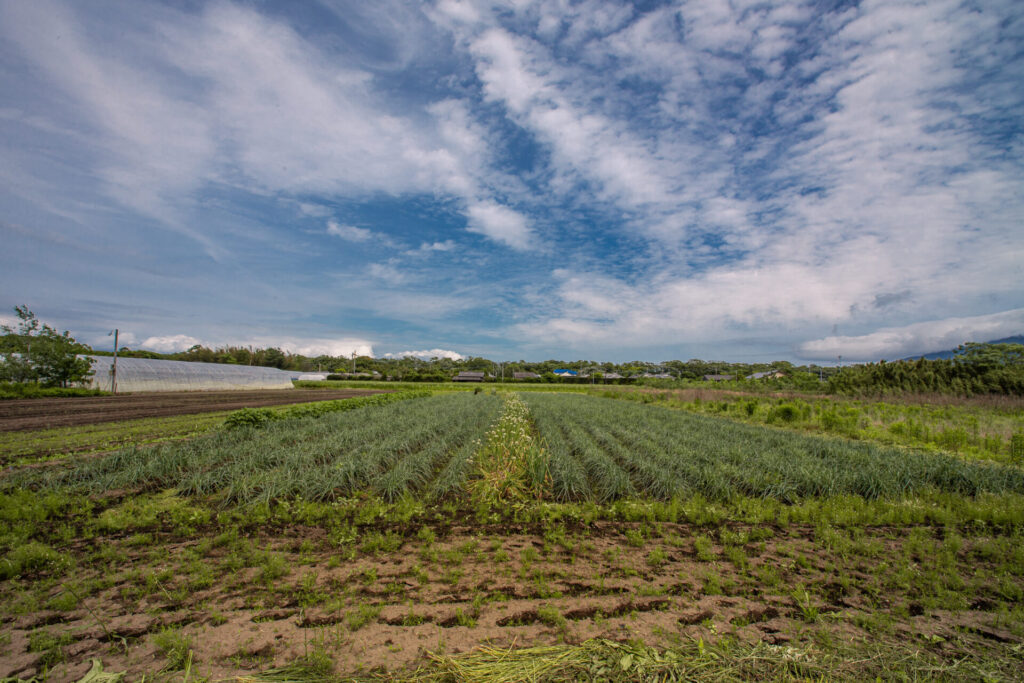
x,y
580,537
981,427
41,413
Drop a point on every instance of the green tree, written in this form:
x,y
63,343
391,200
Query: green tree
x,y
35,352
990,356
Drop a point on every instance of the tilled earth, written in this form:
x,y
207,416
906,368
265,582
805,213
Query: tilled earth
x,y
249,602
43,413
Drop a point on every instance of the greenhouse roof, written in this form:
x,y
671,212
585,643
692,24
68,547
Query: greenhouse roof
x,y
148,374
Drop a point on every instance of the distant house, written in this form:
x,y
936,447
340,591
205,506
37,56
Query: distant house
x,y
525,375
564,372
718,378
469,377
660,375
612,375
771,374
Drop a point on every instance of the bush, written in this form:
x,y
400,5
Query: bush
x,y
787,412
9,390
250,417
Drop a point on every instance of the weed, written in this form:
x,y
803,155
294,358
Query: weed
x,y
273,567
737,556
808,611
703,548
463,619
368,576
426,534
175,646
377,543
50,645
549,615
362,616
634,537
656,557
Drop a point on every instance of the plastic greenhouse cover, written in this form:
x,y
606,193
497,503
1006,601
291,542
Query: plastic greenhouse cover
x,y
147,374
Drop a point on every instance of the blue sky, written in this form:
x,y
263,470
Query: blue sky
x,y
714,179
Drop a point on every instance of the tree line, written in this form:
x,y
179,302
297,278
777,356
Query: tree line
x,y
34,352
975,369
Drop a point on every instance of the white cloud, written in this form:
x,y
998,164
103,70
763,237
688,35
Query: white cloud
x,y
387,272
918,338
447,245
427,248
170,343
500,223
769,167
315,210
349,233
426,354
881,189
230,96
342,346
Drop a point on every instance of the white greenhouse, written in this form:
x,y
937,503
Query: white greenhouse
x,y
148,374
309,376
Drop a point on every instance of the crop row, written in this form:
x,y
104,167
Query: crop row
x,y
589,448
423,445
603,449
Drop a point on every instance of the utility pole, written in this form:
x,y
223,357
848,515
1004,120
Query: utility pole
x,y
113,368
353,362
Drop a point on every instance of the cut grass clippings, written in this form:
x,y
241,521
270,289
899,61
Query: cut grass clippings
x,y
694,661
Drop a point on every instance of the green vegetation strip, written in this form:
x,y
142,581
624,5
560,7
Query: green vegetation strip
x,y
973,429
257,417
24,447
602,449
421,446
590,449
13,390
18,448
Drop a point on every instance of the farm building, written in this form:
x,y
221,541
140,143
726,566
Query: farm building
x,y
469,377
148,374
564,372
771,374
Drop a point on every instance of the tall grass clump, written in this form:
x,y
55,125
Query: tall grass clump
x,y
511,464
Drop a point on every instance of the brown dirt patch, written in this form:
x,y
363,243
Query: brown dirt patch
x,y
44,413
473,586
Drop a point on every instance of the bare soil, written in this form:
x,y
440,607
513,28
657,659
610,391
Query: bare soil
x,y
472,586
44,413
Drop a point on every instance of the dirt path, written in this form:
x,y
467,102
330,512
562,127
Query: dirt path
x,y
25,414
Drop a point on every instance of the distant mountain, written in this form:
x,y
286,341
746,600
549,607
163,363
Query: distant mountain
x,y
1018,339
